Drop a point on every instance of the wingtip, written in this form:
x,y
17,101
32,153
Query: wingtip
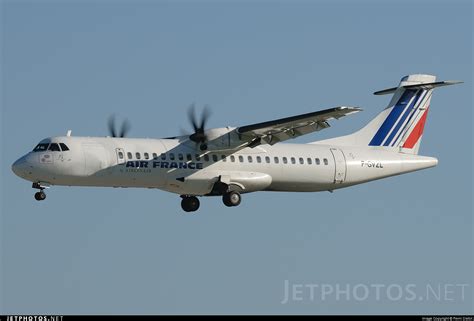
x,y
454,82
353,108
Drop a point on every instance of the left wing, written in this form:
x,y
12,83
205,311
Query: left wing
x,y
274,131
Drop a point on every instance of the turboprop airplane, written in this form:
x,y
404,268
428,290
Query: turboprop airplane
x,y
231,161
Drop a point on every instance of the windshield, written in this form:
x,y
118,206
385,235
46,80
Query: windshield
x,y
54,147
41,147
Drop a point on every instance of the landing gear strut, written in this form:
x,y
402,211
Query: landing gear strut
x,y
231,198
190,203
41,195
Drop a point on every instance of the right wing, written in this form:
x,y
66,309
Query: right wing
x,y
274,131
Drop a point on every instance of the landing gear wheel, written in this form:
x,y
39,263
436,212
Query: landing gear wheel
x,y
40,196
232,199
190,203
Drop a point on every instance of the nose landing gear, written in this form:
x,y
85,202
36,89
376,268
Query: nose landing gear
x,y
41,195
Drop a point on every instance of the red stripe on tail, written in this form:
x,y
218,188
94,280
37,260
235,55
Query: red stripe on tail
x,y
416,132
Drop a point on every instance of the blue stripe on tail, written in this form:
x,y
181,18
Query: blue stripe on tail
x,y
392,118
418,105
405,114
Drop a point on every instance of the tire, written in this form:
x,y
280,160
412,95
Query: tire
x,y
40,196
232,199
190,204
226,201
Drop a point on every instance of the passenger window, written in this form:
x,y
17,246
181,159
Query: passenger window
x,y
64,147
285,160
120,154
180,157
249,158
163,156
317,161
241,158
189,157
267,159
155,156
325,161
137,155
232,158
276,160
206,157
301,160
224,159
129,155
310,161
54,148
147,156
41,147
198,158
259,159
171,156
214,158
293,160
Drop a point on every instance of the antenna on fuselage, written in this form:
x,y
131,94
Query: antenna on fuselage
x,y
69,132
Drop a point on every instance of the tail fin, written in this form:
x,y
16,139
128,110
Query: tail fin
x,y
398,127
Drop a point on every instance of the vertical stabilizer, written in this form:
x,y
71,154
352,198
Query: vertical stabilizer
x,y
399,127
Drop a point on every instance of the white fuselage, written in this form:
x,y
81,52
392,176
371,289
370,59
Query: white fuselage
x,y
177,166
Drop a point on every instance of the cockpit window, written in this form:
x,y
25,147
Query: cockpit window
x,y
41,147
63,147
54,147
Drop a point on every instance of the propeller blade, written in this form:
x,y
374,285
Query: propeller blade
x,y
125,128
206,113
111,125
192,117
199,127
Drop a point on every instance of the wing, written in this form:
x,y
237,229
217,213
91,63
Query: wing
x,y
274,131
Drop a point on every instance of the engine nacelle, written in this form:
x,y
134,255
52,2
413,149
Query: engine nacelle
x,y
222,138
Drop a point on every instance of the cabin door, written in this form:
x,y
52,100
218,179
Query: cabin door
x,y
120,155
340,165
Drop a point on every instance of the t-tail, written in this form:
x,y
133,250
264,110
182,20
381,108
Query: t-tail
x,y
399,127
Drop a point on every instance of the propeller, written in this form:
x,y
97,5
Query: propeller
x,y
199,127
113,128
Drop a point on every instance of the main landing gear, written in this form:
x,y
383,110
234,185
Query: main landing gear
x,y
231,198
189,203
41,195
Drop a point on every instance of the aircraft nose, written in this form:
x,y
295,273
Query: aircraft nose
x,y
19,167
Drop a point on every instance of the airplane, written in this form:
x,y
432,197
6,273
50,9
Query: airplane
x,y
232,161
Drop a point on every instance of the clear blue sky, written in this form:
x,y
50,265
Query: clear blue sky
x,y
93,250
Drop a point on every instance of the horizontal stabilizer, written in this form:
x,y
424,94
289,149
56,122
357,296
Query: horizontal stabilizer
x,y
425,86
